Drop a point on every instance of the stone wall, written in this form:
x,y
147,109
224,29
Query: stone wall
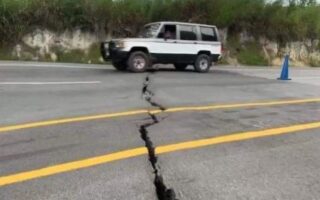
x,y
42,44
302,53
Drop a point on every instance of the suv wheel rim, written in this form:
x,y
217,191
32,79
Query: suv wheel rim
x,y
139,62
203,64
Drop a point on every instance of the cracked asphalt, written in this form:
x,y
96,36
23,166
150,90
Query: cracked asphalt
x,y
37,161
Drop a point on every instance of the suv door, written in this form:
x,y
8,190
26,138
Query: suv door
x,y
165,49
210,41
188,40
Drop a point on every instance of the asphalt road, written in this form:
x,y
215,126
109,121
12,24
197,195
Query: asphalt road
x,y
72,131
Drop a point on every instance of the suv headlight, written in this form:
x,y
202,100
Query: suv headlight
x,y
119,44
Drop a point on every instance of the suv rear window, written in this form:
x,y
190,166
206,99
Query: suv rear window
x,y
188,32
208,34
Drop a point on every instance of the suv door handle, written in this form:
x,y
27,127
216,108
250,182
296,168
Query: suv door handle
x,y
195,43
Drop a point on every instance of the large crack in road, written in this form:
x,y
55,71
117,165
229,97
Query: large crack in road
x,y
163,192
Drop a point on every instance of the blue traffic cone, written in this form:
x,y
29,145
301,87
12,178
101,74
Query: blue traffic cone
x,y
285,69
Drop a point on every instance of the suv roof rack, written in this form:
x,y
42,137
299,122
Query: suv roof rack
x,y
181,23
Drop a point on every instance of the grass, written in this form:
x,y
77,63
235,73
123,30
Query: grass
x,y
314,63
248,53
94,54
252,55
73,56
5,54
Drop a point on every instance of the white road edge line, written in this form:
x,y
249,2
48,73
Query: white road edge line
x,y
305,78
50,83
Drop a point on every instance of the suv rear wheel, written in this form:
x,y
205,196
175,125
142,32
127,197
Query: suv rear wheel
x,y
138,61
180,67
203,63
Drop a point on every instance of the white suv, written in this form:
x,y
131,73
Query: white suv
x,y
177,43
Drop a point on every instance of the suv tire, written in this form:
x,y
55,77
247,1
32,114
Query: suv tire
x,y
121,66
180,67
203,63
138,62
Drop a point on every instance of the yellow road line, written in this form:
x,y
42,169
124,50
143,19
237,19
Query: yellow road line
x,y
70,120
235,137
70,166
244,105
155,111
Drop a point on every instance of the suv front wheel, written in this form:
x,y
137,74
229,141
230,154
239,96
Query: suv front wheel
x,y
138,61
203,63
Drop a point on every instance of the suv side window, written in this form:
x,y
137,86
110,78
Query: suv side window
x,y
188,32
208,34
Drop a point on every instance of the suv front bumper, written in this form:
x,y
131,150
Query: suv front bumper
x,y
104,49
110,52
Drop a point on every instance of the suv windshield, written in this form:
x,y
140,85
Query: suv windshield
x,y
149,31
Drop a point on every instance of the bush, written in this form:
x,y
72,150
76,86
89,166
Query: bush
x,y
299,20
251,54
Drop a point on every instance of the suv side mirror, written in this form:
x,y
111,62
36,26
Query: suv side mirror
x,y
166,37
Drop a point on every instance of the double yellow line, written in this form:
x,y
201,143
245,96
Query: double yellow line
x,y
130,153
155,111
121,155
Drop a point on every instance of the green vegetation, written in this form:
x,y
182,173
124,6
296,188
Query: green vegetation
x,y
78,56
275,20
28,54
4,54
300,19
72,56
251,54
314,62
248,53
